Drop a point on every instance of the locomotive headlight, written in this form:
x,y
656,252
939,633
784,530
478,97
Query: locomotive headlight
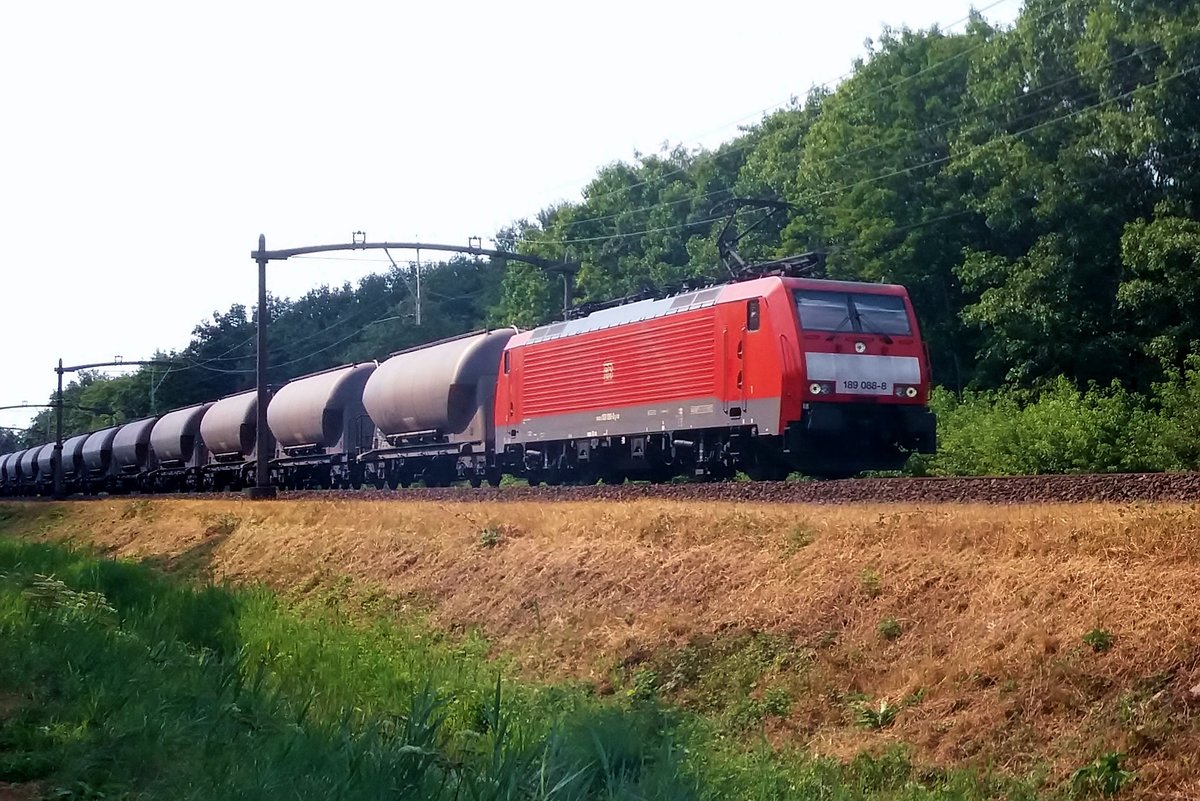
x,y
821,387
814,388
911,392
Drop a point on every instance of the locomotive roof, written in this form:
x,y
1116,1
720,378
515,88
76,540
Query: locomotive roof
x,y
630,313
690,301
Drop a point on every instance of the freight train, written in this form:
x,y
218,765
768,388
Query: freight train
x,y
767,376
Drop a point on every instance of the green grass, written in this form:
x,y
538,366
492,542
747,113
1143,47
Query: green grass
x,y
119,682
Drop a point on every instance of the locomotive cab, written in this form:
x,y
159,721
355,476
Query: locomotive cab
x,y
863,383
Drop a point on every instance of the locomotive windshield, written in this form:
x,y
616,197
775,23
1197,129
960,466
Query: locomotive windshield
x,y
859,312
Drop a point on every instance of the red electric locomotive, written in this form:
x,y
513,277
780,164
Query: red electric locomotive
x,y
768,376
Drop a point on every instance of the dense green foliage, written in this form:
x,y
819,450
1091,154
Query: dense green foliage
x,y
1036,188
1062,429
119,682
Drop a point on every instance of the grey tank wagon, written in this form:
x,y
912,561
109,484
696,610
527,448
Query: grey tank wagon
x,y
321,427
432,406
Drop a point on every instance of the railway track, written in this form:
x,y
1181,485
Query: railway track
x,y
1092,488
1121,487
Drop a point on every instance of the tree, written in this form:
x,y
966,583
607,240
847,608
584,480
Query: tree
x,y
1063,155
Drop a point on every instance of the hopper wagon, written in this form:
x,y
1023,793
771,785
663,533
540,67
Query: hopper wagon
x,y
229,430
321,427
432,407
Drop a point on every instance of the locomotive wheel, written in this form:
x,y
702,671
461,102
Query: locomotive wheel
x,y
476,481
661,474
493,478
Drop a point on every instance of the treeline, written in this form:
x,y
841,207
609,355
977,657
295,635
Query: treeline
x,y
1035,188
1059,428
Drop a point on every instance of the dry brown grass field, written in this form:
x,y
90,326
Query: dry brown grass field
x,y
1024,638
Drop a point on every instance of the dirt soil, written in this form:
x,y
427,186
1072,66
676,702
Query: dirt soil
x,y
991,604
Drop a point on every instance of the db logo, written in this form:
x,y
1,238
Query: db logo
x,y
608,371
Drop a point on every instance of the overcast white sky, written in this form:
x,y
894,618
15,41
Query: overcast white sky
x,y
145,145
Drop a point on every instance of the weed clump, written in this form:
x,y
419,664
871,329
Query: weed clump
x,y
871,583
1099,640
491,536
1103,776
875,717
799,536
889,629
644,687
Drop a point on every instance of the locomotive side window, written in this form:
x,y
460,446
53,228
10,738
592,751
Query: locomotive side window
x,y
506,362
753,315
859,312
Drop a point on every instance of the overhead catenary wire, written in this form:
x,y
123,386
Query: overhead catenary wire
x,y
340,321
298,359
830,82
861,98
842,157
903,171
943,159
1032,195
203,364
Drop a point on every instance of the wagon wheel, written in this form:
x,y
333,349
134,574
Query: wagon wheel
x,y
440,473
613,476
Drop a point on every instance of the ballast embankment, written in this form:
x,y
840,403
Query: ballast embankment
x,y
1017,637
